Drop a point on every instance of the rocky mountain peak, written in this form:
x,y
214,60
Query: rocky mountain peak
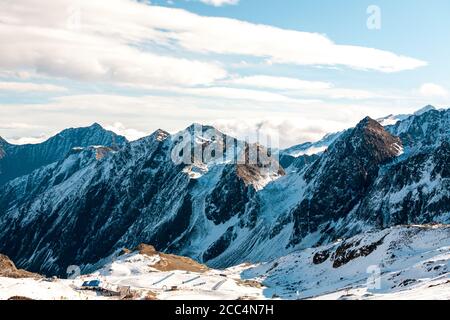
x,y
22,160
367,122
96,125
424,110
340,178
161,135
374,141
91,133
428,129
200,128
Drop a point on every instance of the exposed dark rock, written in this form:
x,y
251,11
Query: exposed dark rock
x,y
321,257
342,176
427,129
422,185
19,160
229,197
94,202
220,245
349,251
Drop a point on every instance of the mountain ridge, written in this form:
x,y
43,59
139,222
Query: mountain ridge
x,y
19,160
207,211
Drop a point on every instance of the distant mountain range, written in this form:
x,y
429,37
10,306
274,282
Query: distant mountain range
x,y
87,193
19,160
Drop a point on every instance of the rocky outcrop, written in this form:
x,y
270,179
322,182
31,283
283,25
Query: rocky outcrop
x,y
9,270
427,129
413,191
341,177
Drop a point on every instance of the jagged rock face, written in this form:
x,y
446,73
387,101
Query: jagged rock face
x,y
340,179
80,207
97,201
19,160
297,163
84,207
413,191
229,187
428,129
3,146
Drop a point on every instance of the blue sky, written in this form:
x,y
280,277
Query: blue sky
x,y
416,28
296,68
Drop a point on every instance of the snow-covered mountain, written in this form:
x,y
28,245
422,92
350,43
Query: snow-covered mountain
x,y
84,207
297,157
313,148
404,262
96,201
141,274
428,129
310,148
19,160
393,119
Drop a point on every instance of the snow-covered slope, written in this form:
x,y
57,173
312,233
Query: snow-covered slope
x,y
141,275
427,129
84,207
310,148
19,160
393,119
335,197
404,262
97,201
400,262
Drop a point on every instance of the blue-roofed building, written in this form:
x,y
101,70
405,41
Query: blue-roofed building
x,y
92,284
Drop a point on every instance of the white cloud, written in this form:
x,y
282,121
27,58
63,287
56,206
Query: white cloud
x,y
71,39
18,125
301,88
288,132
138,45
219,3
130,133
241,94
28,140
296,122
433,90
21,75
30,87
37,35
352,94
282,83
234,37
